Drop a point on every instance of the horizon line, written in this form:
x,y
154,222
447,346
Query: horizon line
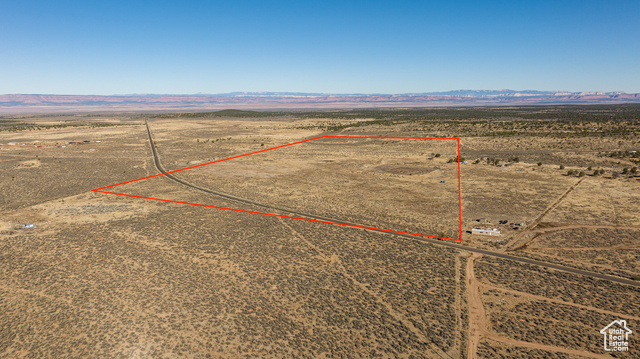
x,y
311,93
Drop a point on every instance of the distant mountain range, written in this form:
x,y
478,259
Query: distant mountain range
x,y
26,103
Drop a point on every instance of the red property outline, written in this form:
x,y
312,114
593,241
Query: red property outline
x,y
101,190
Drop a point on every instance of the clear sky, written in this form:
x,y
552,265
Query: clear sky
x,y
186,47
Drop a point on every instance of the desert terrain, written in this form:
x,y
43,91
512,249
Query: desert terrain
x,y
138,270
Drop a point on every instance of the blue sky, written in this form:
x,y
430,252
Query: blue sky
x,y
186,47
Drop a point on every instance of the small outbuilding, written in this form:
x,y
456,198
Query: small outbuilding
x,y
28,226
486,232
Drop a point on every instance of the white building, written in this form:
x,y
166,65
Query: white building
x,y
486,232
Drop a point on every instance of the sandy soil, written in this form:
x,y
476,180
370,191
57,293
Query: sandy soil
x,y
479,325
115,276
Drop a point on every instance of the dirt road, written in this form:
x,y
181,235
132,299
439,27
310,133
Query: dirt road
x,y
515,243
479,325
445,243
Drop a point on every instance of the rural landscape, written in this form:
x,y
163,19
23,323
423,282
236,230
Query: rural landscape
x,y
319,179
412,232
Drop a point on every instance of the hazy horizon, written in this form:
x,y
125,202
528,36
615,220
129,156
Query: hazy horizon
x,y
309,93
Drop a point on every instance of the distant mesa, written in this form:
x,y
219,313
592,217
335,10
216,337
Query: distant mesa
x,y
16,103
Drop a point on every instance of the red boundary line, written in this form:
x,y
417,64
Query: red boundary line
x,y
101,189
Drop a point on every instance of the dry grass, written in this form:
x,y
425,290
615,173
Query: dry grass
x,y
560,285
111,276
489,349
601,201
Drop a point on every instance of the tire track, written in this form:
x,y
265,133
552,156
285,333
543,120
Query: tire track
x,y
442,243
537,220
378,299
